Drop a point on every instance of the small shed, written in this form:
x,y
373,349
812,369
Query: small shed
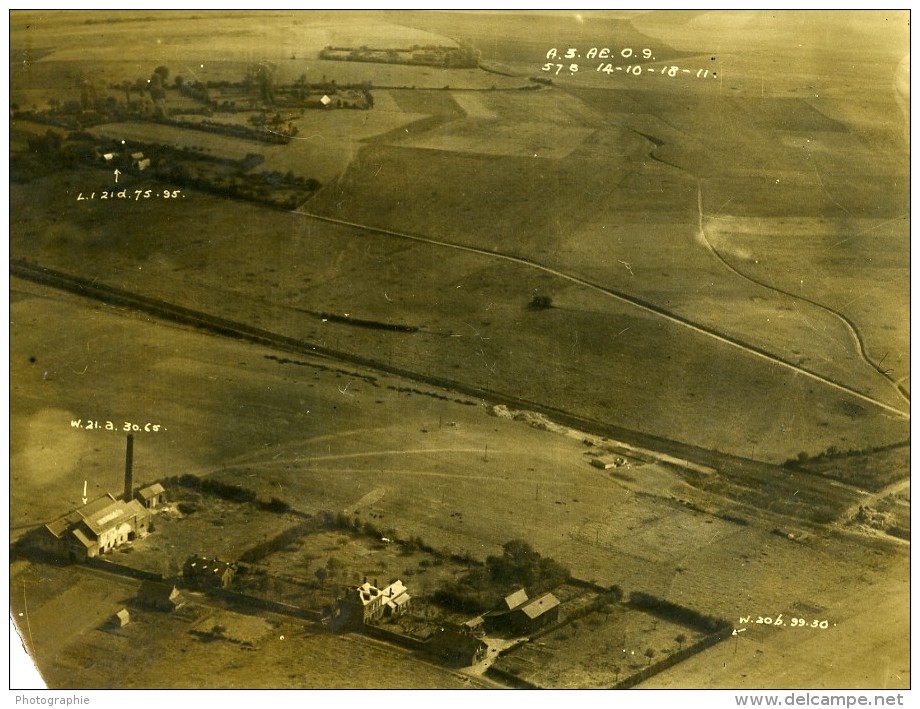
x,y
608,462
152,496
121,618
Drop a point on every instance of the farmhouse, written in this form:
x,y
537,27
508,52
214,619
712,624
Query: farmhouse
x,y
204,573
367,603
95,528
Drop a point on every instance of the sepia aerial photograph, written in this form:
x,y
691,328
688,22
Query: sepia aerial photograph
x,y
428,349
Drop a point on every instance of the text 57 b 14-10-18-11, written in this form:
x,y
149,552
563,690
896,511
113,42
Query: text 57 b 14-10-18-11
x,y
130,195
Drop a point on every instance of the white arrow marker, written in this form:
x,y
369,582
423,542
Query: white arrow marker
x,y
84,492
117,173
735,632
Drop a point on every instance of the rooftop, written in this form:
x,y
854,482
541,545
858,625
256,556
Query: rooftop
x,y
515,599
541,605
151,491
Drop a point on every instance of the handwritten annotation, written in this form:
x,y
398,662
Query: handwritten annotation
x,y
132,195
780,621
639,56
91,425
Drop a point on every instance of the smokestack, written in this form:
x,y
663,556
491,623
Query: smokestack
x,y
129,469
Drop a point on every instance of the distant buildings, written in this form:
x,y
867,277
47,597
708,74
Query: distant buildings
x,y
139,161
429,55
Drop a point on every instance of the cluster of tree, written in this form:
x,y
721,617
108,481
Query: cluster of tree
x,y
197,91
226,491
541,302
330,570
234,131
152,88
341,521
464,56
467,56
46,154
230,492
520,565
276,121
483,587
833,453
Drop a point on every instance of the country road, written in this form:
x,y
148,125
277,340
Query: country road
x,y
858,342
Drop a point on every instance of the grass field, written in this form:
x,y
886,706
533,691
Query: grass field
x,y
321,436
475,324
596,651
220,146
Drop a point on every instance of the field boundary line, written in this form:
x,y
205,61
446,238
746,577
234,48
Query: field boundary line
x,y
215,325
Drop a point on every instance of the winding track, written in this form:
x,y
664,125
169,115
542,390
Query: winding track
x,y
617,295
850,326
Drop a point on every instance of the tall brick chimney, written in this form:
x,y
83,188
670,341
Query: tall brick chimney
x,y
129,470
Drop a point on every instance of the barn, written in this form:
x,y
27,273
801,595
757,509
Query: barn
x,y
526,617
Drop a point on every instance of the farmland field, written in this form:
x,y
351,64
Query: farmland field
x,y
690,251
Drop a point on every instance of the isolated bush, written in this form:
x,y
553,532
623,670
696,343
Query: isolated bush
x,y
541,302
